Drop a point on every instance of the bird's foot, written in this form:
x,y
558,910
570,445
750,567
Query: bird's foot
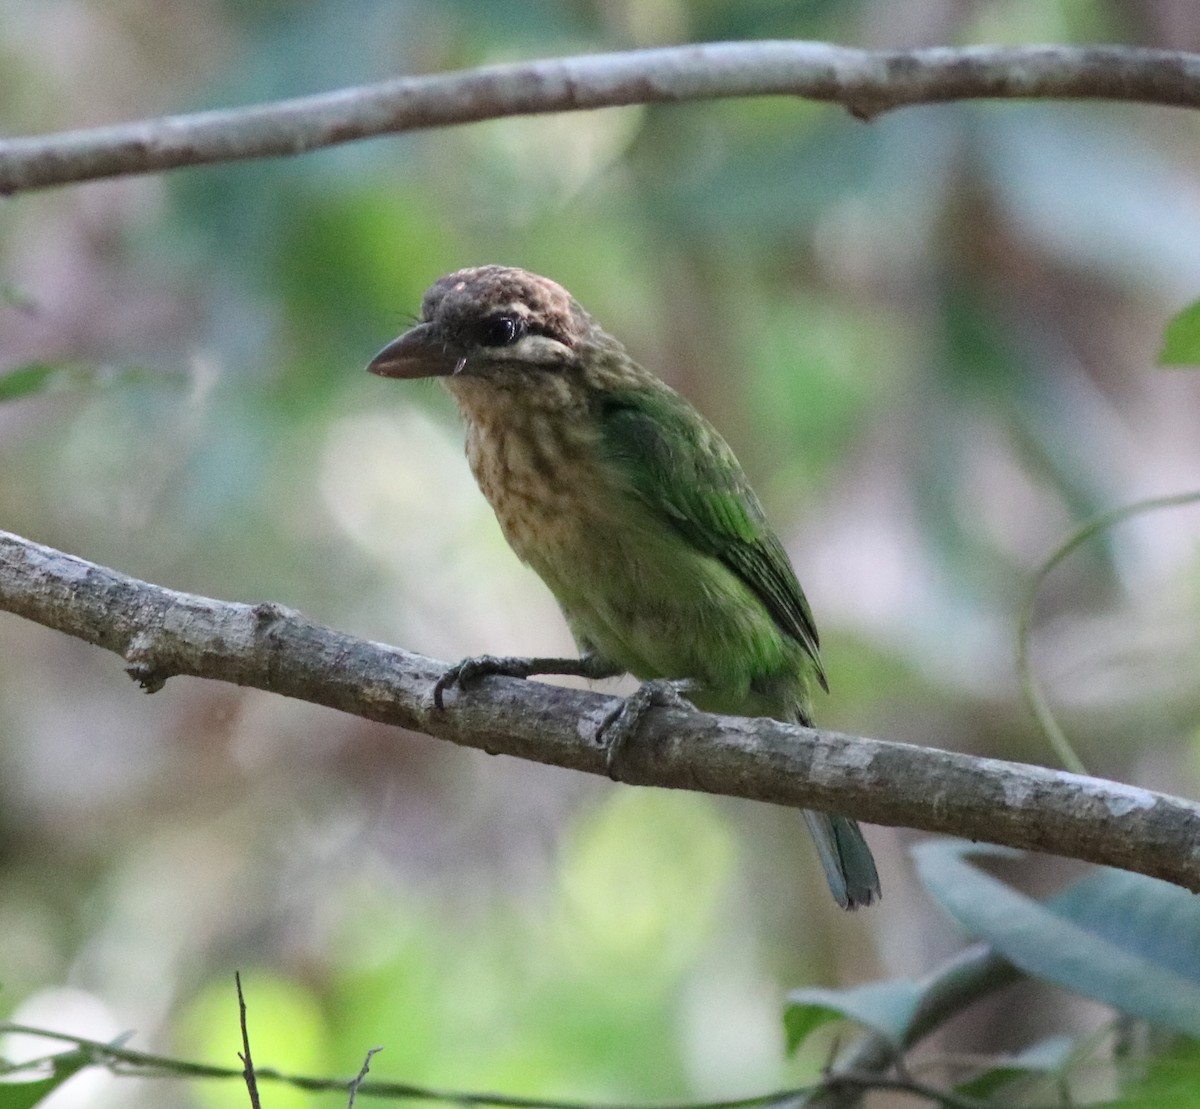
x,y
620,725
469,670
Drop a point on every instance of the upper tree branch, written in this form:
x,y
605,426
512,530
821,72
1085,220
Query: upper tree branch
x,y
866,82
161,633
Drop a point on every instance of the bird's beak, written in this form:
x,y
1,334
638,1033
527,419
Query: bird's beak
x,y
416,353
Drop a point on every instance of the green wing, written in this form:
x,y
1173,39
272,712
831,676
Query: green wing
x,y
679,466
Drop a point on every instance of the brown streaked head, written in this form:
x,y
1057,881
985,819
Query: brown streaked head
x,y
475,321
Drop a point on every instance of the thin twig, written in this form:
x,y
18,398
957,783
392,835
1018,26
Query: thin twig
x,y
839,1084
143,1064
244,1055
1031,686
357,1080
865,82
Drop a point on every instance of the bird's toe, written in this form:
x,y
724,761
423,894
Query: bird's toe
x,y
469,670
621,725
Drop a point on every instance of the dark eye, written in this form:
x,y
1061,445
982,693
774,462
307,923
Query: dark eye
x,y
502,331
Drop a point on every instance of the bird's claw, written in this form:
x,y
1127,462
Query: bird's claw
x,y
470,670
620,725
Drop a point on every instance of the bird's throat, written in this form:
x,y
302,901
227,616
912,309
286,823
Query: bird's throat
x,y
535,457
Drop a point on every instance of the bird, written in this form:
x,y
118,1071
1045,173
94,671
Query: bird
x,y
632,509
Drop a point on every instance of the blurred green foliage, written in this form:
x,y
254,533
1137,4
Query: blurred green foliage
x,y
1181,346
931,340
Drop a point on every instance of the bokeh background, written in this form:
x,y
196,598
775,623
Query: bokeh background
x,y
931,340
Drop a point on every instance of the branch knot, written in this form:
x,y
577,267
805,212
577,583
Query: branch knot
x,y
142,666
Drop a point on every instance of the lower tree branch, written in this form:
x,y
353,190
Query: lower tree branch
x,y
866,82
161,633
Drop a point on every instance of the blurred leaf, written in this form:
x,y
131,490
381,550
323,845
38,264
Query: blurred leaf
x,y
1047,1057
349,287
808,393
713,20
1042,423
1092,192
520,1001
1168,1081
18,298
1123,939
45,377
507,25
691,160
23,1095
1155,920
36,378
642,875
884,1007
1181,341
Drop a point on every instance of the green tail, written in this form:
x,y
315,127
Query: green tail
x,y
845,858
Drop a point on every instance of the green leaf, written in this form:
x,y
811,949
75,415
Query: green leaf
x,y
27,380
1167,1081
1123,939
23,1095
1181,340
885,1007
43,377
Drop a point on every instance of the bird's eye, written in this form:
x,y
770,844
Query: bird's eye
x,y
502,331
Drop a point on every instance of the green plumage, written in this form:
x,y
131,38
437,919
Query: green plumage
x,y
685,474
631,508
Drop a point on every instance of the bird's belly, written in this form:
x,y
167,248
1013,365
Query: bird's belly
x,y
639,595
632,588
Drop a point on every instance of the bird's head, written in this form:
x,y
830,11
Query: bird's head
x,y
487,321
498,327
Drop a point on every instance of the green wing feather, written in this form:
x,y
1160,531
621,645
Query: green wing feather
x,y
679,466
